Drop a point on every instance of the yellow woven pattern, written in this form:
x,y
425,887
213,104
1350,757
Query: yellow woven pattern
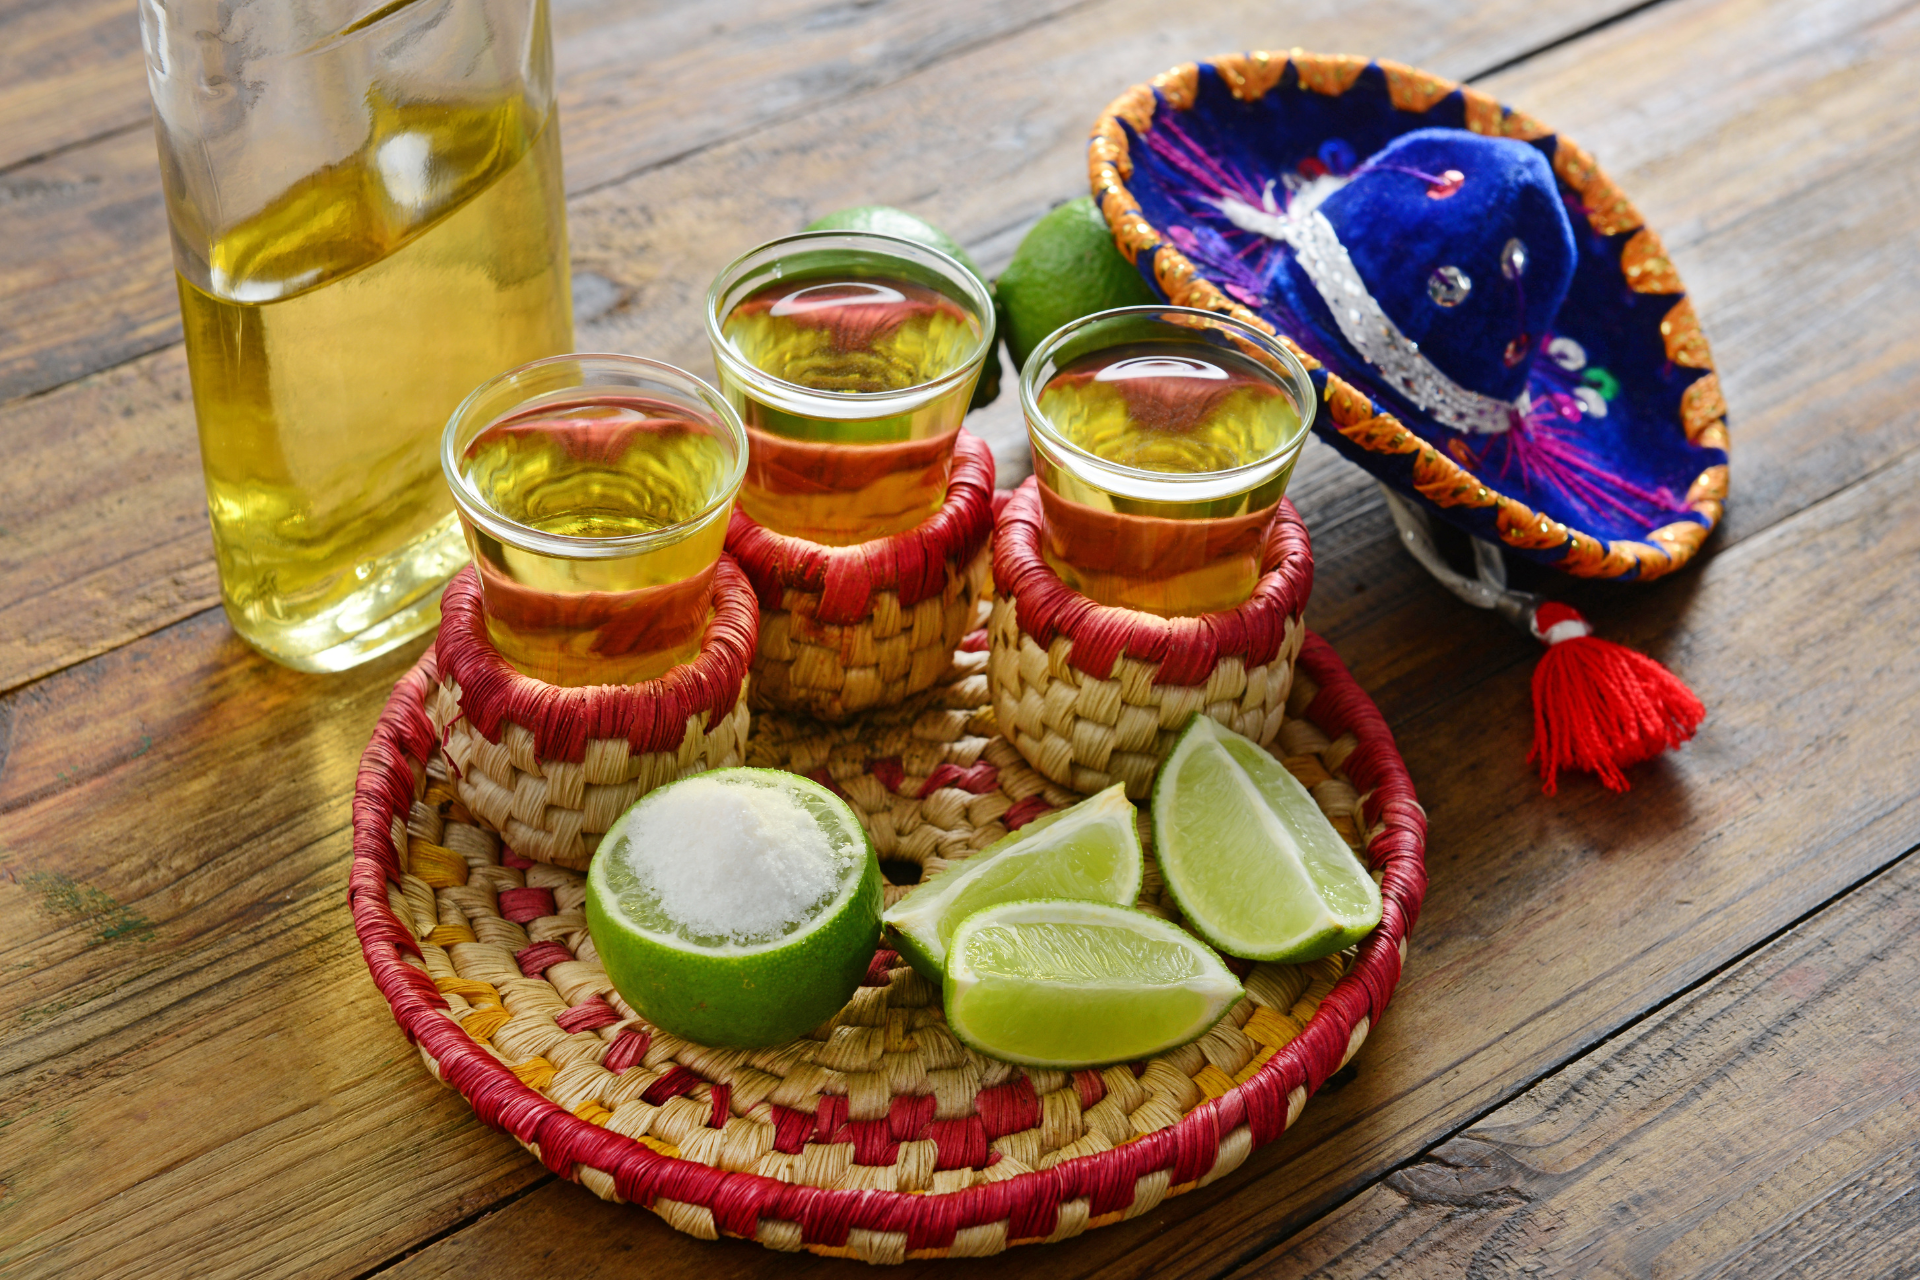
x,y
1087,733
832,671
890,1041
556,811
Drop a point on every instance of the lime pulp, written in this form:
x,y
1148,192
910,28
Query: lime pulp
x,y
1249,857
1068,984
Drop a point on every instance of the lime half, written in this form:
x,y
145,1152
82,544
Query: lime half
x,y
1058,983
738,907
1254,865
1090,851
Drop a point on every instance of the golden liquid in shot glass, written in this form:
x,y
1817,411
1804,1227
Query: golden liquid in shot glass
x,y
1178,407
822,475
851,358
609,468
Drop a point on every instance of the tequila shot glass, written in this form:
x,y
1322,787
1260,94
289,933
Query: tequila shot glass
x,y
1163,439
594,491
850,358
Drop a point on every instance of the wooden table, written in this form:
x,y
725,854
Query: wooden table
x,y
1672,1032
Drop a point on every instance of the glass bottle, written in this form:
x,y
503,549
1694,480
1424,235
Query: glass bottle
x,y
368,221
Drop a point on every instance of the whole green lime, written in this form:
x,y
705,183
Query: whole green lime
x,y
738,907
1067,267
887,221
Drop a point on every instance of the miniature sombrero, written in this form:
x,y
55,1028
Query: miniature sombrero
x,y
1492,331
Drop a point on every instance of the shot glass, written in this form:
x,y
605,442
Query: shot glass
x,y
594,491
850,358
1163,439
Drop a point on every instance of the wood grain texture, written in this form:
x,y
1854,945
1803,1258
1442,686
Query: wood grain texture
x,y
1547,925
196,1076
86,278
70,70
190,1038
1768,1125
646,249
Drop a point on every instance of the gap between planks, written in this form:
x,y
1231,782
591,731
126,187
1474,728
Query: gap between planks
x,y
546,1178
825,103
1572,37
81,144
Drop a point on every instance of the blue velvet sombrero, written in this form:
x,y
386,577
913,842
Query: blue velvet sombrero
x,y
1492,330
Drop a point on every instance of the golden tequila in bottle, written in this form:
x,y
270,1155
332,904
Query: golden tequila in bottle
x,y
595,493
851,359
398,239
1162,444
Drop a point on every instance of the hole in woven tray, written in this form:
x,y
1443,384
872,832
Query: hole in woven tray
x,y
900,872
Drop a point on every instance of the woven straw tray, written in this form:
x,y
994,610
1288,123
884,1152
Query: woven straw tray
x,y
880,1137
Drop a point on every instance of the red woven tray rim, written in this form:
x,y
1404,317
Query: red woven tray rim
x,y
1188,1149
1188,649
651,716
914,564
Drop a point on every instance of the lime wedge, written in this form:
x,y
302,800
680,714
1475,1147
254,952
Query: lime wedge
x,y
1090,851
1058,983
1254,865
738,907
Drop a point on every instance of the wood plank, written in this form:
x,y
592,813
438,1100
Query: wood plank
x,y
185,786
70,70
1547,924
1650,1157
644,252
161,961
1803,779
86,280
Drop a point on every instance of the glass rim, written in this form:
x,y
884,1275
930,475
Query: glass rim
x,y
568,546
731,362
1306,402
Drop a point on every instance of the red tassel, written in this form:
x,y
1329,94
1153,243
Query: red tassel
x,y
1598,706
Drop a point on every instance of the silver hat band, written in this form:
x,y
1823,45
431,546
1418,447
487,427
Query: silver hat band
x,y
1372,333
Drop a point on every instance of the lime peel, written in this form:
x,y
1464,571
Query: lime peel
x,y
1067,266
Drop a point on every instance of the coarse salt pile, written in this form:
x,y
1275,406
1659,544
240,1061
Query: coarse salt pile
x,y
745,863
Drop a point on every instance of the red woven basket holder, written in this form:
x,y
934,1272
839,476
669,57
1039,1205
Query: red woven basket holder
x,y
915,563
1187,649
651,716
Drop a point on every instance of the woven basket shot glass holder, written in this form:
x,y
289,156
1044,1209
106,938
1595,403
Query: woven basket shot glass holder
x,y
551,768
1092,694
847,629
879,1136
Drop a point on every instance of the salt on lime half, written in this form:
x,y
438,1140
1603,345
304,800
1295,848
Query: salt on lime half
x,y
1250,859
738,907
1069,984
1090,851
